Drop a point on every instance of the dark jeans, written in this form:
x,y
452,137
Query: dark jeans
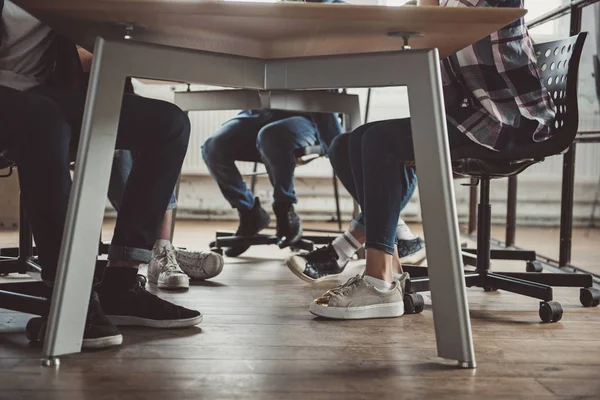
x,y
245,139
44,123
370,163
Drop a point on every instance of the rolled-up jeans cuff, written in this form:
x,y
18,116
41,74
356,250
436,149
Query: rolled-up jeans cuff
x,y
117,253
379,246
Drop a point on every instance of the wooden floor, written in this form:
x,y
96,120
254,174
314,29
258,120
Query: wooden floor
x,y
258,341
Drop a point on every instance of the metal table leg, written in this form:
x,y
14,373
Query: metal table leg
x,y
438,208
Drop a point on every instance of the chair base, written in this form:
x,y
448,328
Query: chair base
x,y
531,284
228,239
25,297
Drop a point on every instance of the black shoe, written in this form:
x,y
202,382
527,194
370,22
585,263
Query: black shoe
x,y
251,222
411,251
289,227
135,306
99,332
316,266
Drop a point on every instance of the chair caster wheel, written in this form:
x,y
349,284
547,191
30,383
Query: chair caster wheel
x,y
212,245
217,250
589,297
142,280
489,289
550,311
413,303
33,329
534,266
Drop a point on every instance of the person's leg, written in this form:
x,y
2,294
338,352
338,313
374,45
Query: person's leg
x,y
157,133
235,140
37,130
277,143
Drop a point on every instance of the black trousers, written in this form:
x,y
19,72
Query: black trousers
x,y
43,126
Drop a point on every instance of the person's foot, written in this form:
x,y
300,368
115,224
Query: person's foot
x,y
98,333
165,272
316,266
199,264
358,299
289,227
411,251
251,222
135,306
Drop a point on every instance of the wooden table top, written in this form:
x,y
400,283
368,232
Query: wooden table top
x,y
270,30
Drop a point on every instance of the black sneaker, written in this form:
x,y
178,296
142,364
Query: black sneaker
x,y
316,266
136,306
289,227
99,332
411,251
251,222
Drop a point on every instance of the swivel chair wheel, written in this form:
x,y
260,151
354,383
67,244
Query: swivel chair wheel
x,y
213,245
550,311
413,303
589,297
142,280
33,329
534,266
217,250
489,289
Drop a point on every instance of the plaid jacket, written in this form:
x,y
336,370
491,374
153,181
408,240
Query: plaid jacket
x,y
493,87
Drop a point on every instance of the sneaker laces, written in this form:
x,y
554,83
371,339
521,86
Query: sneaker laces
x,y
168,260
345,288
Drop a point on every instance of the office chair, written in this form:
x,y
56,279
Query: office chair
x,y
559,63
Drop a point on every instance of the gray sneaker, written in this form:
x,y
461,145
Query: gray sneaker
x,y
199,265
358,299
164,271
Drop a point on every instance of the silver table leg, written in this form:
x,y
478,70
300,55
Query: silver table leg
x,y
86,208
438,209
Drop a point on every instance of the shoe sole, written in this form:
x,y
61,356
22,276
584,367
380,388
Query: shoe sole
x,y
415,258
391,310
126,320
294,266
103,342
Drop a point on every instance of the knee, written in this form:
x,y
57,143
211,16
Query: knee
x,y
338,151
180,124
274,140
211,150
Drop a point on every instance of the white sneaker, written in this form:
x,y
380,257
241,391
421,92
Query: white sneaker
x,y
358,299
164,271
199,264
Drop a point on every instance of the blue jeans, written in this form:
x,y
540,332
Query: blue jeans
x,y
370,163
273,144
121,169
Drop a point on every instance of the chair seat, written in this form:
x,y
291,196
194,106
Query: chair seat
x,y
479,168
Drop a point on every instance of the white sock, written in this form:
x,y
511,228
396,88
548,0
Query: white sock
x,y
379,284
345,246
403,231
161,244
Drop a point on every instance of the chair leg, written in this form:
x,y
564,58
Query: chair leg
x,y
518,286
336,194
511,211
472,206
484,227
253,179
559,279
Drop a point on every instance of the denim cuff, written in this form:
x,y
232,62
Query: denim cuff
x,y
380,246
357,224
116,253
